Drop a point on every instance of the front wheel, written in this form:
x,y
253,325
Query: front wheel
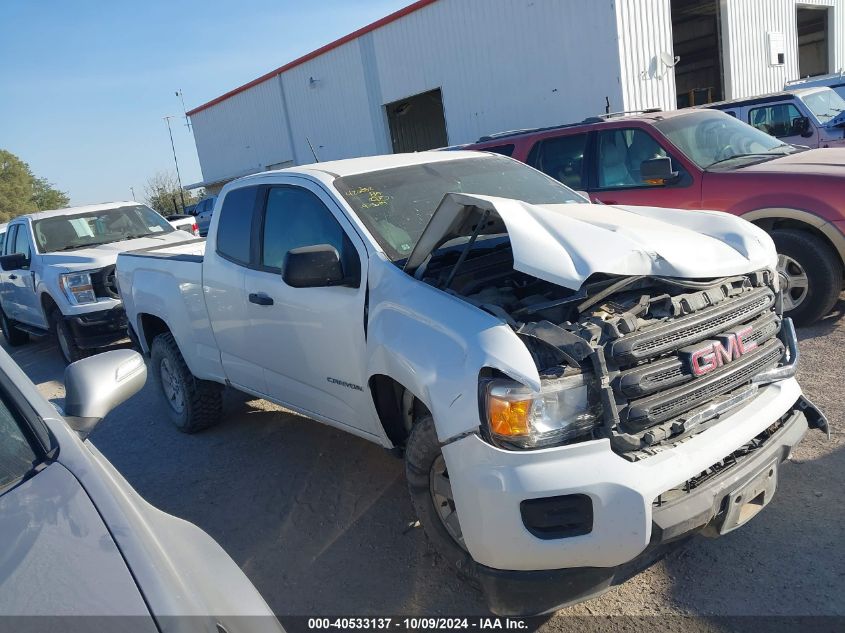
x,y
810,275
431,496
192,404
71,352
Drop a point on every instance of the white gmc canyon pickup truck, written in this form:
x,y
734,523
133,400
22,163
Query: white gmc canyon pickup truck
x,y
574,386
57,273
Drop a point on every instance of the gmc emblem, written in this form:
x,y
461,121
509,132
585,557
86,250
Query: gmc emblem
x,y
711,355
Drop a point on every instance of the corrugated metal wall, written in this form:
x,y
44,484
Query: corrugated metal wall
x,y
500,64
645,31
745,24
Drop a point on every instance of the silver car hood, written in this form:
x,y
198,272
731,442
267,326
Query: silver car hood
x,y
567,243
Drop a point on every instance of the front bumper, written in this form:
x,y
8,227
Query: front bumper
x,y
628,531
93,330
706,508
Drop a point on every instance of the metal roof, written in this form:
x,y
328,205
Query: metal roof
x,y
411,8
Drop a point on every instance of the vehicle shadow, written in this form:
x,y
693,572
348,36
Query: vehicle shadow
x,y
826,325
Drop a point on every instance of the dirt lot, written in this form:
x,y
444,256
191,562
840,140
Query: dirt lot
x,y
321,523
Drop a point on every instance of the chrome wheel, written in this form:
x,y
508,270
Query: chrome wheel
x,y
441,493
793,282
172,385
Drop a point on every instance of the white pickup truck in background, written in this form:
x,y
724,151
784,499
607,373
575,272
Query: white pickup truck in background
x,y
574,386
57,274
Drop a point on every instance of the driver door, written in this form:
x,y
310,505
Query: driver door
x,y
310,341
19,284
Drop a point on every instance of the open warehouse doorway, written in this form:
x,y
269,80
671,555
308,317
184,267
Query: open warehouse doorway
x,y
697,41
417,123
813,40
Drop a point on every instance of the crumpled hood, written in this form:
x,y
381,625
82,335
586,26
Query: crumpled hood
x,y
106,254
567,243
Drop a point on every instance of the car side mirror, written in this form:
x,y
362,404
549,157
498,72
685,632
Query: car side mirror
x,y
15,261
315,267
97,384
801,125
658,171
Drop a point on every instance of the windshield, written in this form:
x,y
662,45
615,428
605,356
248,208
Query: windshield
x,y
68,232
396,204
710,137
824,104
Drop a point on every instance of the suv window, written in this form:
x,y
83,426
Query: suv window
x,y
504,150
621,155
777,119
562,158
234,227
17,458
295,217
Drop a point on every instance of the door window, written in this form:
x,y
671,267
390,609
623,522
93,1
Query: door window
x,y
234,228
621,155
22,242
562,158
17,458
294,218
9,246
777,120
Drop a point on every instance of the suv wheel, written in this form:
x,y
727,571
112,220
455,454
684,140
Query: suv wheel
x,y
192,404
12,334
70,351
810,275
431,496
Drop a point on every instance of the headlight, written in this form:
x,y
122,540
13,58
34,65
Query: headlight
x,y
564,409
78,288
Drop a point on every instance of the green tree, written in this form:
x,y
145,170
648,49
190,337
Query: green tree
x,y
22,192
161,192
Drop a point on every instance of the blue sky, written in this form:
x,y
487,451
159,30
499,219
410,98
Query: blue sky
x,y
84,85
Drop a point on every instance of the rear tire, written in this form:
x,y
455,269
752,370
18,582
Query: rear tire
x,y
14,337
810,275
70,351
192,404
424,468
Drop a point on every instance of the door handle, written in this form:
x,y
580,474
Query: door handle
x,y
13,276
260,298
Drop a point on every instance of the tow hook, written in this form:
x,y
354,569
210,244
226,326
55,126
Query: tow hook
x,y
815,418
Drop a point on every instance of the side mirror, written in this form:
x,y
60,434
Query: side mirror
x,y
801,125
15,261
658,171
314,267
96,385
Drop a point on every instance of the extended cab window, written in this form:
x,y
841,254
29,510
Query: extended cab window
x,y
562,158
234,227
621,155
294,218
777,119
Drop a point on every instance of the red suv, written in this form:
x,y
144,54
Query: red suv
x,y
706,159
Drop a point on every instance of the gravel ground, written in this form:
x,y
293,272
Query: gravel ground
x,y
321,523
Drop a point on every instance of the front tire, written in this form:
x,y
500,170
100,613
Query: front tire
x,y
810,275
431,496
70,351
11,333
193,405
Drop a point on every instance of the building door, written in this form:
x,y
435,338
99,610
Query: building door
x,y
696,38
813,40
417,123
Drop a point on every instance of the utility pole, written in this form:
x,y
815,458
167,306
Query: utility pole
x,y
132,189
184,109
173,147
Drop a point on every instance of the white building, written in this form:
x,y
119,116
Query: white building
x,y
444,72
